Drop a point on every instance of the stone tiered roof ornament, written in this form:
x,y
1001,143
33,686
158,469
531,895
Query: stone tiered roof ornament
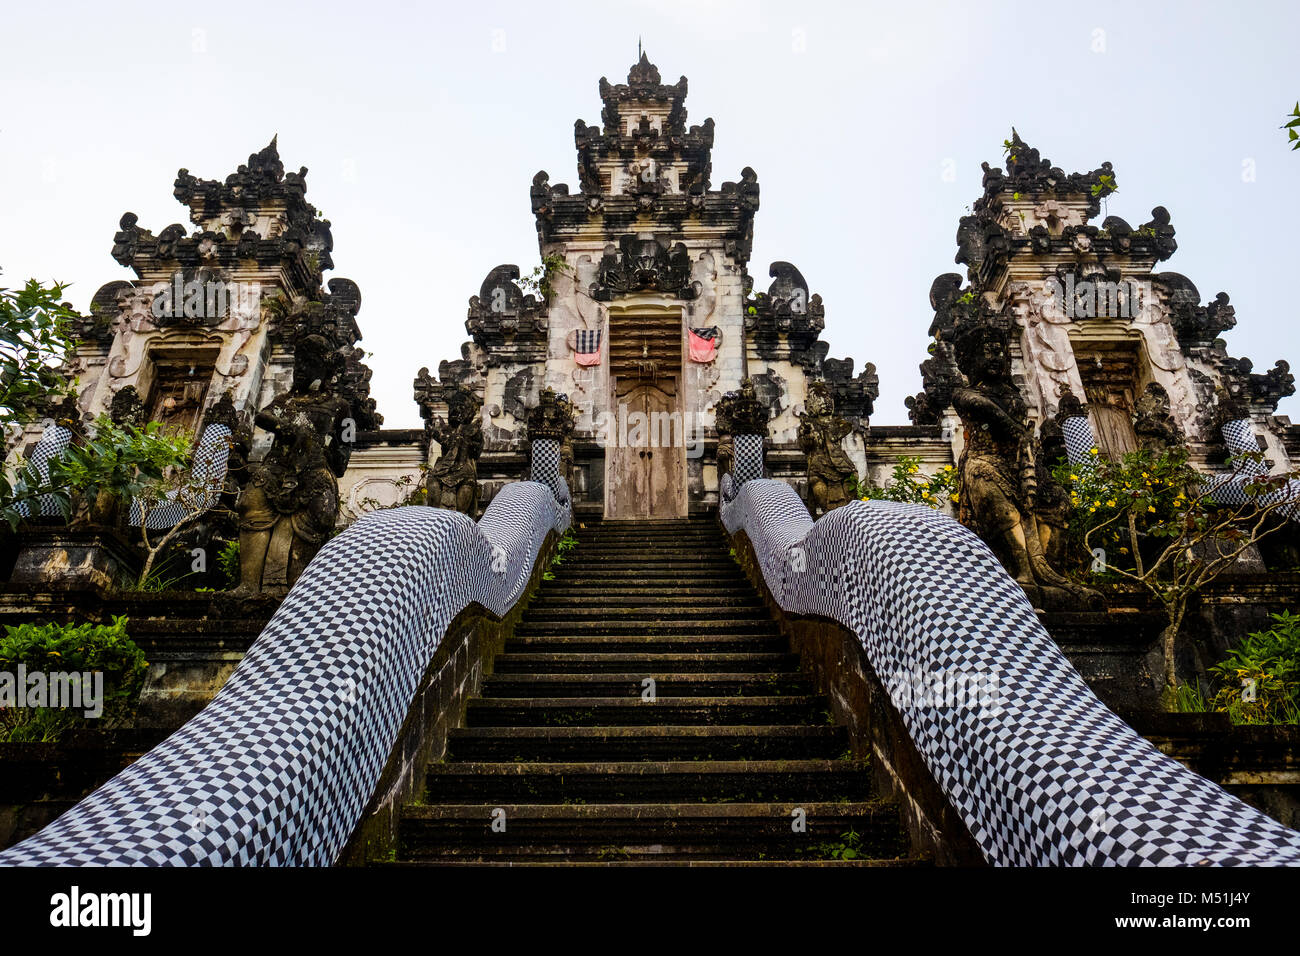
x,y
1033,217
643,160
787,321
506,324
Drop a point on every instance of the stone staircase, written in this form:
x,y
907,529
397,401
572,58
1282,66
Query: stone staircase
x,y
572,755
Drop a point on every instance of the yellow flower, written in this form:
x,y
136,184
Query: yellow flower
x,y
1074,477
1096,504
1111,503
1091,510
1092,451
954,498
1151,508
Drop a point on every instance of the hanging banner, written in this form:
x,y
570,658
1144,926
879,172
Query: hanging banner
x,y
703,343
586,346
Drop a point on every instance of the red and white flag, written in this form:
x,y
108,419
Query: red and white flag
x,y
703,344
586,347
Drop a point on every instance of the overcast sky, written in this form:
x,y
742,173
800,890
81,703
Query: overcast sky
x,y
423,124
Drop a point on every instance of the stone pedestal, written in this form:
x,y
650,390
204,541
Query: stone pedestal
x,y
94,557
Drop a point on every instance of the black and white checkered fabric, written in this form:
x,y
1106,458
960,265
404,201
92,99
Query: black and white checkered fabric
x,y
279,767
1040,770
708,334
1079,440
1230,489
545,468
587,341
53,442
748,458
207,477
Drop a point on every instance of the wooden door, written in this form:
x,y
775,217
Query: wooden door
x,y
646,462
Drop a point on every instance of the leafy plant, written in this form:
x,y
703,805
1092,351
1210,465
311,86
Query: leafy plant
x,y
228,562
1261,675
541,280
1104,186
908,484
848,847
1293,120
73,648
36,337
1152,520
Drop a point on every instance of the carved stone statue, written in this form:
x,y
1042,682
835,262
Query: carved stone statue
x,y
453,480
738,413
821,436
999,469
290,505
1153,423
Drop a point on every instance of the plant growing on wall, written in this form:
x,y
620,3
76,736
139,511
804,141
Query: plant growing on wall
x,y
1152,519
541,280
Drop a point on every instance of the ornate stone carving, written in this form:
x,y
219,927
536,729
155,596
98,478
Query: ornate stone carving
x,y
738,413
290,505
821,437
127,408
509,326
786,323
1005,496
640,264
1153,423
453,480
554,418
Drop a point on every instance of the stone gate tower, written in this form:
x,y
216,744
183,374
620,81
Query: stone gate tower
x,y
645,318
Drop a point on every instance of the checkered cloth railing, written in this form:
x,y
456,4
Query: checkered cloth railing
x,y
54,439
1230,489
280,766
208,476
1040,770
1079,440
748,458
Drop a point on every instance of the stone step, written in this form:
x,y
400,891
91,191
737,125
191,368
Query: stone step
x,y
759,641
638,782
559,590
640,625
687,861
645,612
550,601
634,685
609,744
684,568
632,711
594,663
730,574
657,831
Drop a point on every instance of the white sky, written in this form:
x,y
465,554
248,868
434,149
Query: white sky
x,y
422,140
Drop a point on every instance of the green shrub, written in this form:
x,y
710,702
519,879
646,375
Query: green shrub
x,y
909,485
1262,675
74,648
